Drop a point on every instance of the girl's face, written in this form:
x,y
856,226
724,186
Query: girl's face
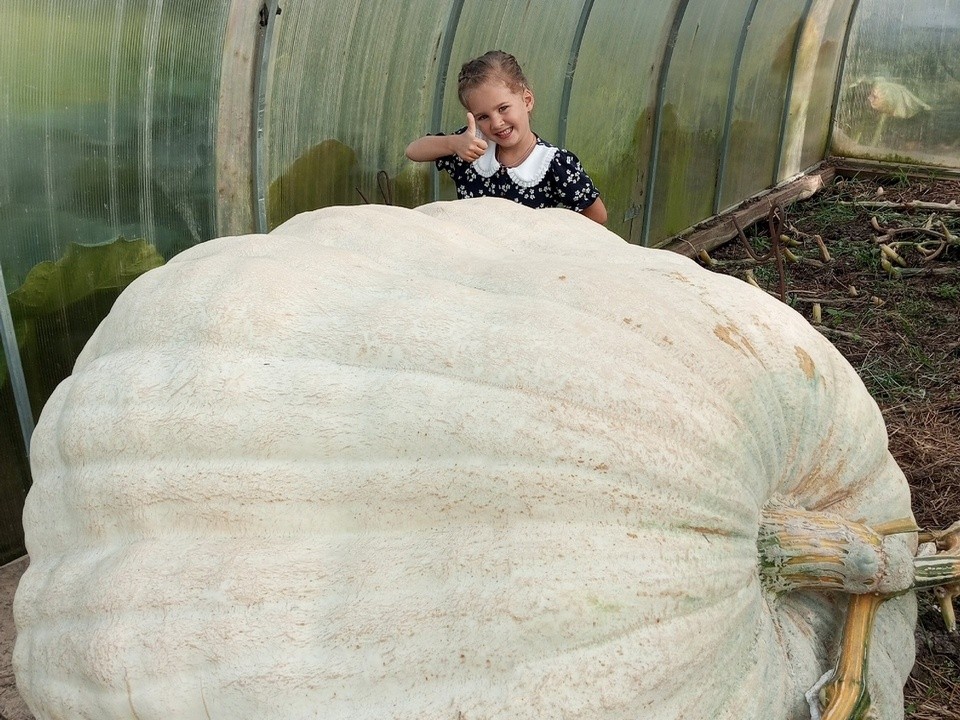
x,y
502,114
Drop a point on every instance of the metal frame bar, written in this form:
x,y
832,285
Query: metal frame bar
x,y
571,70
11,352
262,52
731,98
788,95
658,117
149,61
233,133
841,70
443,65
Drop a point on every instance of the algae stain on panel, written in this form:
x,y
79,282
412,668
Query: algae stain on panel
x,y
324,175
329,173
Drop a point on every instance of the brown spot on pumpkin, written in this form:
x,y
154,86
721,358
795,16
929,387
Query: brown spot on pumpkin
x,y
723,332
681,277
562,277
806,362
831,499
731,335
819,483
708,530
628,321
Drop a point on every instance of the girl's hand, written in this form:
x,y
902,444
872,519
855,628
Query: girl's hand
x,y
469,147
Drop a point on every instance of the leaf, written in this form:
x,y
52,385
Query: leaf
x,y
83,271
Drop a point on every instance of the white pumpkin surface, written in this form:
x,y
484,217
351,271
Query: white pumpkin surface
x,y
465,462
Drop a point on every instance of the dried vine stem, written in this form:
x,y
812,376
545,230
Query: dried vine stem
x,y
821,246
930,250
384,185
775,224
912,205
944,559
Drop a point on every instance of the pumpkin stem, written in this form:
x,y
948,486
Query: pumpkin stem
x,y
823,551
846,694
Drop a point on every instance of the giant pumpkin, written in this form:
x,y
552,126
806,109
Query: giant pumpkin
x,y
464,462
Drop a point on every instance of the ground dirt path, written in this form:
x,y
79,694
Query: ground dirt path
x,y
11,706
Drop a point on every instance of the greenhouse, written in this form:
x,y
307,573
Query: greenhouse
x,y
134,131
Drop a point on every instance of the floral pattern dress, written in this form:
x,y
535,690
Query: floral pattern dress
x,y
549,177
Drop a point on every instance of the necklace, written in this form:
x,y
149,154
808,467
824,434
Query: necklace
x,y
522,157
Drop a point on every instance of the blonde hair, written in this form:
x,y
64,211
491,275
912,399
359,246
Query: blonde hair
x,y
493,65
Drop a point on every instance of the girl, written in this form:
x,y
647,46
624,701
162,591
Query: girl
x,y
497,154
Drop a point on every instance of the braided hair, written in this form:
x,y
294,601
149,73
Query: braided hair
x,y
493,65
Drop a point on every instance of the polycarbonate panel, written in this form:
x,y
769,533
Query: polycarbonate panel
x,y
350,85
694,113
107,124
761,94
820,106
106,129
900,98
612,103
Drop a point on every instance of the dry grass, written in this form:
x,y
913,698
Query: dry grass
x,y
925,438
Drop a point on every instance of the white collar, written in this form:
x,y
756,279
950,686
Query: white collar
x,y
528,173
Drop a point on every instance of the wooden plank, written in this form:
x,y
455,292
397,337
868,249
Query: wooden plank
x,y
866,169
720,229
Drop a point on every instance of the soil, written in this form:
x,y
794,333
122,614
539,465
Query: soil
x,y
897,325
11,706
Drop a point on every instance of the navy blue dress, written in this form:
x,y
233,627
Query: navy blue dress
x,y
549,177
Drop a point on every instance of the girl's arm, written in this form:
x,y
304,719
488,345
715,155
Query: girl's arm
x,y
466,145
431,147
597,212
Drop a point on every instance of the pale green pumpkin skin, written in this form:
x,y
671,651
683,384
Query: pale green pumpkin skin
x,y
464,462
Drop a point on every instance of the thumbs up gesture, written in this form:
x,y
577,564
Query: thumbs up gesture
x,y
469,146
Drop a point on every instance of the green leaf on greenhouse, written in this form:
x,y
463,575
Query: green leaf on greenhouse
x,y
84,271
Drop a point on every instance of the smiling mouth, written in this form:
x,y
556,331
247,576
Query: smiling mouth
x,y
503,134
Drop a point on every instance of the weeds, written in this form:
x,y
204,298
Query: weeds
x,y
947,291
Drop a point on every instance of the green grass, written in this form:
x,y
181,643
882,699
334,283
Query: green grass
x,y
899,177
822,215
888,382
947,291
837,316
909,317
858,252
